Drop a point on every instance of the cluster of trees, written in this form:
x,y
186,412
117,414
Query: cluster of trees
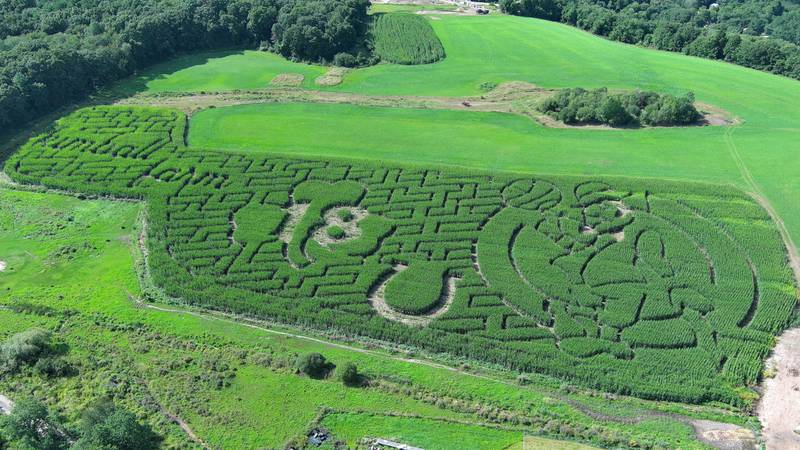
x,y
103,425
581,107
54,53
315,365
34,348
763,35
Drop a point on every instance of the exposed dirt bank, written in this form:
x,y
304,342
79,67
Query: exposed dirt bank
x,y
779,408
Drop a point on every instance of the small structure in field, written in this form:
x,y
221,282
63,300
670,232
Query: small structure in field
x,y
384,443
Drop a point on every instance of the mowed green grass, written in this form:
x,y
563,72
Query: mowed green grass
x,y
219,71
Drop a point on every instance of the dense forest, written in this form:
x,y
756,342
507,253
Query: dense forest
x,y
761,34
56,52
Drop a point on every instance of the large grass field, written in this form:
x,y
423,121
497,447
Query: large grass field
x,y
503,48
245,69
491,141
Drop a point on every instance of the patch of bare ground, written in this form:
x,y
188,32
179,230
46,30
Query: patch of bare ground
x,y
779,408
623,210
287,80
2,266
5,405
724,436
332,77
716,116
377,298
350,227
296,212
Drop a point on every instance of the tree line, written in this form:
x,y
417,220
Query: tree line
x,y
760,34
584,107
55,53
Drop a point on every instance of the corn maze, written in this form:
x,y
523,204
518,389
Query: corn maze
x,y
655,289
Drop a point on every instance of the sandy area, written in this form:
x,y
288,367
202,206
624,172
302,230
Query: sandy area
x,y
779,409
2,266
296,212
5,404
724,436
351,229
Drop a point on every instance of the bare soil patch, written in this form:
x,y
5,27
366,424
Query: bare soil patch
x,y
332,77
377,298
715,116
778,409
724,436
296,212
287,80
350,227
3,266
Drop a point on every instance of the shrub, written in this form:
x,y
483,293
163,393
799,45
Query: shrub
x,y
313,364
345,60
336,232
345,215
25,348
349,375
54,367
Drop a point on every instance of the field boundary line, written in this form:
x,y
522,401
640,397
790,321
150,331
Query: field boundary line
x,y
758,195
